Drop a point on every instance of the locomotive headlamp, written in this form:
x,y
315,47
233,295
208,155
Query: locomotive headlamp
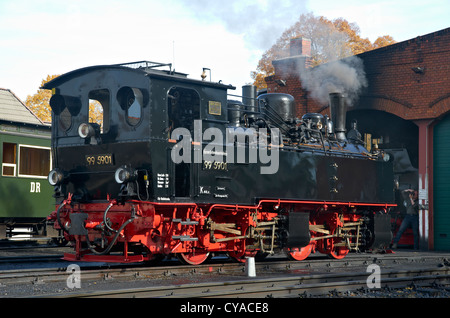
x,y
55,177
88,130
125,174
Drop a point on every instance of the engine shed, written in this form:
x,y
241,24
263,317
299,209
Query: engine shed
x,y
405,108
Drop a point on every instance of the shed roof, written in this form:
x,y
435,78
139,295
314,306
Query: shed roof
x,y
12,109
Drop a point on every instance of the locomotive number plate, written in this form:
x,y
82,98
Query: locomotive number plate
x,y
214,165
99,160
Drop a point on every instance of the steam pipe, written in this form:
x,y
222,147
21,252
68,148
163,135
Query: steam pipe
x,y
105,221
58,217
111,244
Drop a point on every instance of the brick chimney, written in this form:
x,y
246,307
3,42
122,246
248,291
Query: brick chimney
x,y
300,46
287,70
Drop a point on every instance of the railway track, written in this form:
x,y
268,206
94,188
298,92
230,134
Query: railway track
x,y
276,287
219,266
277,277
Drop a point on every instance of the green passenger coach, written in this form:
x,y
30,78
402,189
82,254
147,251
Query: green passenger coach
x,y
25,194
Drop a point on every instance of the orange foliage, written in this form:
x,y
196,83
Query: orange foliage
x,y
330,40
39,103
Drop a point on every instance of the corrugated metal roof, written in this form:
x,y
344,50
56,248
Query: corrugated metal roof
x,y
12,109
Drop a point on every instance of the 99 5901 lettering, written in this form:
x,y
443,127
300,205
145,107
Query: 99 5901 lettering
x,y
215,165
99,160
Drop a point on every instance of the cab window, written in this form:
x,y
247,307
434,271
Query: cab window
x,y
132,101
99,108
183,107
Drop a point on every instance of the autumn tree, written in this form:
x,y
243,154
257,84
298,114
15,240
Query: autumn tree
x,y
330,40
39,103
383,41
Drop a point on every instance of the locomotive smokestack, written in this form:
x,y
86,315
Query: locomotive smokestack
x,y
338,114
249,99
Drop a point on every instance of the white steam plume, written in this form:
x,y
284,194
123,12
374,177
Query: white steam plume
x,y
345,76
260,22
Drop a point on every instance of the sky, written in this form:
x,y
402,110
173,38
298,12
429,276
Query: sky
x,y
48,37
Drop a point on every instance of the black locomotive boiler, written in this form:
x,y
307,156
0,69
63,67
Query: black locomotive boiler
x,y
175,167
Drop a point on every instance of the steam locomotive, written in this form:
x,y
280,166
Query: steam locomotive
x,y
174,166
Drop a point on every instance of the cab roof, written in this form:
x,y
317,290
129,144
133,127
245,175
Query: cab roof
x,y
146,68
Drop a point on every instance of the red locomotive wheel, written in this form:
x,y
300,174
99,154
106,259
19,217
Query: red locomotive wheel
x,y
240,258
339,252
299,254
193,258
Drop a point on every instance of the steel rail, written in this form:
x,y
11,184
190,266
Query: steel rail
x,y
293,286
306,267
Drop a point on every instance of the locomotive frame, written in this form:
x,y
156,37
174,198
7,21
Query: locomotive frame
x,y
121,196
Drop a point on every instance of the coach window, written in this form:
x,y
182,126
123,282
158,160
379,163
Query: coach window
x,y
132,100
99,108
34,161
9,159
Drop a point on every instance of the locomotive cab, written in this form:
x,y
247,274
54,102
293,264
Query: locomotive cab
x,y
114,128
101,116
